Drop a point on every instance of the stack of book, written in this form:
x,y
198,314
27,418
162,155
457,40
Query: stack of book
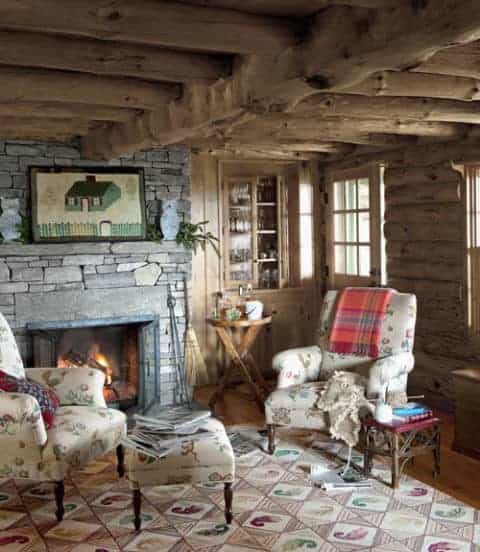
x,y
336,479
165,433
411,412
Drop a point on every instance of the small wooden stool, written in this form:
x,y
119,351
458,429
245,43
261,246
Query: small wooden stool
x,y
401,443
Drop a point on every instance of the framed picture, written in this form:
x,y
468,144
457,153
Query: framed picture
x,y
70,204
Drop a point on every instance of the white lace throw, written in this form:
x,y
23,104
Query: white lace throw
x,y
343,398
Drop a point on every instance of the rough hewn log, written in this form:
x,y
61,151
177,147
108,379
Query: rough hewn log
x,y
444,308
151,22
425,251
413,176
430,192
425,288
424,271
428,232
344,46
62,86
107,58
57,110
427,214
42,129
462,61
419,109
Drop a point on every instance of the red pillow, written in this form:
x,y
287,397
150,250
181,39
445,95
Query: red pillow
x,y
46,397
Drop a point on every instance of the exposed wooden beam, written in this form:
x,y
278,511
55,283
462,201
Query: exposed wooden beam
x,y
17,128
461,61
345,46
151,22
62,86
419,109
421,85
107,58
58,110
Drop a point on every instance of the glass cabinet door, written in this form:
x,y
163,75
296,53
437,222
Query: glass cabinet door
x,y
240,228
254,241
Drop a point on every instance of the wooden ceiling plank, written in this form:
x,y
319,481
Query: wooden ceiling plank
x,y
345,46
42,128
460,61
57,110
168,24
382,107
62,86
108,58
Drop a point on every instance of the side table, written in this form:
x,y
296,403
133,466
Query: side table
x,y
401,443
240,355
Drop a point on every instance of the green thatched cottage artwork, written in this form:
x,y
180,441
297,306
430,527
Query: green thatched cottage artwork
x,y
72,205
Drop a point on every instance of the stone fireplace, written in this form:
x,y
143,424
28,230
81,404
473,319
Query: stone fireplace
x,y
126,349
98,303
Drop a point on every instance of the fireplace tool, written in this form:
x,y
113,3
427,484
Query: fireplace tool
x,y
181,392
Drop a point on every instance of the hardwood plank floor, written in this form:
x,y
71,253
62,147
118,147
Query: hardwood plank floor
x,y
459,477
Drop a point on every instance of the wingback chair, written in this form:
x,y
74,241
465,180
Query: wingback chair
x,y
293,402
84,427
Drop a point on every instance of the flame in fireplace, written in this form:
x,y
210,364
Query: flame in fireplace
x,y
102,360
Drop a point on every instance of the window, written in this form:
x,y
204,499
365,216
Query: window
x,y
354,243
306,225
472,175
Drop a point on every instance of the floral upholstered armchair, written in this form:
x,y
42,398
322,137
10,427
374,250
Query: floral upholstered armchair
x,y
300,370
84,427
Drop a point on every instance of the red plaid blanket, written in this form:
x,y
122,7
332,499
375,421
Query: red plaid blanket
x,y
359,315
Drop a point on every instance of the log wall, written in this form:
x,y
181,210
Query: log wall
x,y
426,254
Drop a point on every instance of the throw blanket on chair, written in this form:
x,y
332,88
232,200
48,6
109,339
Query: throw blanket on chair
x,y
358,319
343,398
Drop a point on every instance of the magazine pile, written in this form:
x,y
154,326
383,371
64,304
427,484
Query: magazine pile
x,y
165,432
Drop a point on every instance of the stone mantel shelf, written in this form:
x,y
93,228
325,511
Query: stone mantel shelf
x,y
90,322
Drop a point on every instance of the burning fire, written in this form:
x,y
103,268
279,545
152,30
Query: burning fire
x,y
93,359
102,360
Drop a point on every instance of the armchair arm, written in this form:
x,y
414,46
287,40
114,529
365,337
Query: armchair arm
x,y
296,366
22,434
73,386
391,371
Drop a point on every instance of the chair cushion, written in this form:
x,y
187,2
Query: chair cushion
x,y
46,398
81,434
10,359
208,460
295,406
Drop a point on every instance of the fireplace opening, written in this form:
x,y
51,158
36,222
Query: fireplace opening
x,y
125,349
113,350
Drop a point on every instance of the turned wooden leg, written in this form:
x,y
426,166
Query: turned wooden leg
x,y
59,494
228,494
395,445
120,461
271,438
436,453
137,505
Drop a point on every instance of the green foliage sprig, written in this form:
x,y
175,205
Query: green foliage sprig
x,y
25,230
154,233
193,235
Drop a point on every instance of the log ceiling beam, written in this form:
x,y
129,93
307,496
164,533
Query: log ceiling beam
x,y
461,61
378,107
61,86
58,110
151,22
18,128
108,58
344,47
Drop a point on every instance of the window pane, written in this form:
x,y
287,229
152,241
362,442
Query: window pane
x,y
351,227
363,193
339,227
339,195
364,254
364,227
350,194
340,259
351,260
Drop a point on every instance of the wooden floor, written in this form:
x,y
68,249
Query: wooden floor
x,y
459,477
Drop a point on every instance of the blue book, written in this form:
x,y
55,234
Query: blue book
x,y
411,409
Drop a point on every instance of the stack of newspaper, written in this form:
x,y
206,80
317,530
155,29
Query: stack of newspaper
x,y
334,479
164,433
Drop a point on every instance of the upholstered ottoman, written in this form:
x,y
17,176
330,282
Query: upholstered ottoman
x,y
206,460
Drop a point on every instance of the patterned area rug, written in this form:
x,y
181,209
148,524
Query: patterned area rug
x,y
276,508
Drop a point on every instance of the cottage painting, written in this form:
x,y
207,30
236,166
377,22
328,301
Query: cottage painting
x,y
73,205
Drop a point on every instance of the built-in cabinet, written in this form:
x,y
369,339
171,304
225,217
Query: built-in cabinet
x,y
255,232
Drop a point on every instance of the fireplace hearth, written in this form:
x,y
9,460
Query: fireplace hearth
x,y
126,349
